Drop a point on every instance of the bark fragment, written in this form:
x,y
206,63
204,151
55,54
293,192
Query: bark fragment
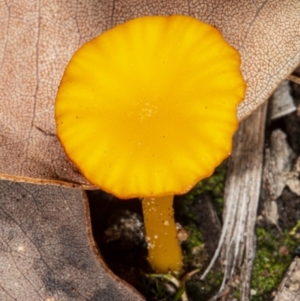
x,y
289,289
242,189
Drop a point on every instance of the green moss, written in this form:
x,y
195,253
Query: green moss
x,y
213,185
204,289
270,264
194,251
236,294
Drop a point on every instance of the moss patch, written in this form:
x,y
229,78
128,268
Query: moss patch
x,y
213,185
194,250
273,256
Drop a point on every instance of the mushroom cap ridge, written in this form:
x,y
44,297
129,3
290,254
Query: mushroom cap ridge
x,y
148,108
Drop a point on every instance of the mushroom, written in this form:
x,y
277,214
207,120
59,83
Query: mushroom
x,y
147,109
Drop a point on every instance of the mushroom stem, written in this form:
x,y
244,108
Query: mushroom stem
x,y
164,251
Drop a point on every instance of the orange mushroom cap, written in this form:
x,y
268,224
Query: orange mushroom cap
x,y
148,108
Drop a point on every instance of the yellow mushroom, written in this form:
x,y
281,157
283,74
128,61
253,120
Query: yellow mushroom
x,y
147,109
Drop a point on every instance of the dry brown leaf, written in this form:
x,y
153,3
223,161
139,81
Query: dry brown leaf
x,y
37,38
44,248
